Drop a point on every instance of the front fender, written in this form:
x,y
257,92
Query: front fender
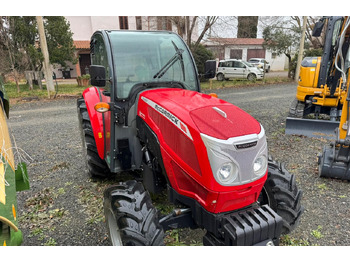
x,y
92,96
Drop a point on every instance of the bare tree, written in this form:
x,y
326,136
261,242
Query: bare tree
x,y
247,26
186,24
4,65
9,45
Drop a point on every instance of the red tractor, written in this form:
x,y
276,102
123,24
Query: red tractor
x,y
145,115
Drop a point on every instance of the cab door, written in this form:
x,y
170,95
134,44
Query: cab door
x,y
239,69
229,69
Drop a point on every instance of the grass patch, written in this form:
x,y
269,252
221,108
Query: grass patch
x,y
91,200
51,242
317,233
291,241
240,83
41,216
322,187
172,238
66,89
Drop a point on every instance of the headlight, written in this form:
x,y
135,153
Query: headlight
x,y
260,165
227,173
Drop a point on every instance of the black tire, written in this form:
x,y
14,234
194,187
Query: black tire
x,y
220,77
251,77
282,194
96,166
130,216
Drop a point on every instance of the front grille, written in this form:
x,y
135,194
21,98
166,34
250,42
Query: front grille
x,y
241,150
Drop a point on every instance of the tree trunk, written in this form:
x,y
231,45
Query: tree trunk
x,y
43,44
15,75
290,73
301,50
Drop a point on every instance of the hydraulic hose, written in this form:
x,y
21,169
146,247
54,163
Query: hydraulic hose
x,y
339,54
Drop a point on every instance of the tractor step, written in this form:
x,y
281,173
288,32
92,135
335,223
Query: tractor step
x,y
311,127
253,226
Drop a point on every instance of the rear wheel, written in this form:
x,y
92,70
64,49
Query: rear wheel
x,y
282,194
130,216
96,166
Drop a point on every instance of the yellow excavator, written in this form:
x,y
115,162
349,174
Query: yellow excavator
x,y
321,107
317,107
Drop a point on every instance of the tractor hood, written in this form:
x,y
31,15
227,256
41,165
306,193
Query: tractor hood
x,y
190,110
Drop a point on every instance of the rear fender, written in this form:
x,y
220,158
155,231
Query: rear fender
x,y
92,96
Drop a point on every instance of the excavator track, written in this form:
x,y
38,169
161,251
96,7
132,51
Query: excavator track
x,y
296,109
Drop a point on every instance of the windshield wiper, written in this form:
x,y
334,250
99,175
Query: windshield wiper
x,y
176,56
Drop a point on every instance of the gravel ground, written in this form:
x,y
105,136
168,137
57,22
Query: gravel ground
x,y
63,207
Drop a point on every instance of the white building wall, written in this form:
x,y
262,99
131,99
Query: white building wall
x,y
277,64
80,26
104,22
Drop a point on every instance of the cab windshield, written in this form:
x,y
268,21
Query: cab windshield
x,y
140,57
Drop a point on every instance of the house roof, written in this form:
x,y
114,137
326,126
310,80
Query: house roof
x,y
82,44
235,41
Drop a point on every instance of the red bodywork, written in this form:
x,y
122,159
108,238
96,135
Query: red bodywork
x,y
184,153
100,123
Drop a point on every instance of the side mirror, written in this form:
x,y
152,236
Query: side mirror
x,y
316,32
98,75
209,68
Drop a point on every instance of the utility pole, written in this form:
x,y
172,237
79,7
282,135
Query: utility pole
x,y
301,50
45,51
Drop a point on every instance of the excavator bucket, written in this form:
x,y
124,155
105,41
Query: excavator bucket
x,y
311,127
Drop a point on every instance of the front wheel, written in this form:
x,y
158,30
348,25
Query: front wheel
x,y
282,194
251,77
130,216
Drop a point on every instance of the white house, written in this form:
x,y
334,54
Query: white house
x,y
245,48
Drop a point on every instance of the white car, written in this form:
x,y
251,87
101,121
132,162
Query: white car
x,y
233,68
259,63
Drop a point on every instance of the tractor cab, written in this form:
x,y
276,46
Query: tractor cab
x,y
162,59
122,67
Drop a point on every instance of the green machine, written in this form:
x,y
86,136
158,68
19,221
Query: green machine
x,y
11,180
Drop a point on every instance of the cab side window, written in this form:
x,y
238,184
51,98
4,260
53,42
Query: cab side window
x,y
99,57
229,64
239,64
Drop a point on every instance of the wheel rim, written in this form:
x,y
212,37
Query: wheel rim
x,y
114,231
220,77
251,77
